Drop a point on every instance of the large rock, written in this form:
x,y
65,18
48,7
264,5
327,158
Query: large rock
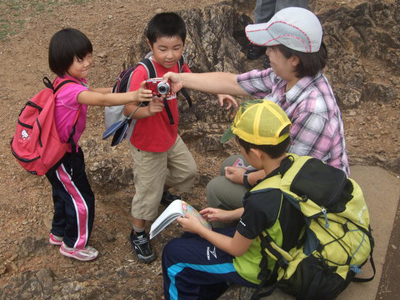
x,y
361,43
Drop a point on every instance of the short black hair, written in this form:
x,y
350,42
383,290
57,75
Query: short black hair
x,y
273,151
166,24
310,63
64,46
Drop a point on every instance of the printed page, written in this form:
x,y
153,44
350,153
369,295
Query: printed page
x,y
188,209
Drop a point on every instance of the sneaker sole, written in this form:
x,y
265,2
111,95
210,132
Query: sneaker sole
x,y
71,255
55,243
147,259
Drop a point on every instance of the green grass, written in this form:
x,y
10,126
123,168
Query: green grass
x,y
14,12
4,29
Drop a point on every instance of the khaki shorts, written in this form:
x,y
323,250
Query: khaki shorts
x,y
175,168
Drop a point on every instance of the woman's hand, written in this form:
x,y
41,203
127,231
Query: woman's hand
x,y
174,80
235,174
228,99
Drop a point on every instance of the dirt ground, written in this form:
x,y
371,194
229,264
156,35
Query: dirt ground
x,y
26,27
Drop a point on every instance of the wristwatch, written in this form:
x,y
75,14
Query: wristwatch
x,y
246,183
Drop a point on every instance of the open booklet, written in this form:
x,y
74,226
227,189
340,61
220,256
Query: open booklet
x,y
240,163
178,208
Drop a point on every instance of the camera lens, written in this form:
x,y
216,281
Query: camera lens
x,y
163,88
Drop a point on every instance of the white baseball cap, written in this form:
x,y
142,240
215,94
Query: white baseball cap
x,y
294,27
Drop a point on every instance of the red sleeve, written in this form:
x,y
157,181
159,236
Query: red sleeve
x,y
186,69
138,76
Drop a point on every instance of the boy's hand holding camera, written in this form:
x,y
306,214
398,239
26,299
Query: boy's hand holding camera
x,y
156,105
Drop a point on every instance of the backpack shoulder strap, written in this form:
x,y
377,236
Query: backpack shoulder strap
x,y
184,92
371,259
57,89
187,97
181,63
148,64
50,85
62,84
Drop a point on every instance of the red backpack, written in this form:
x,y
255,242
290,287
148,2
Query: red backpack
x,y
36,144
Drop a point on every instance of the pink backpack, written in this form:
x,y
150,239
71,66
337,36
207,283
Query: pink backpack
x,y
36,144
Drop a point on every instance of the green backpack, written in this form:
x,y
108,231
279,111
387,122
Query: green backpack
x,y
335,242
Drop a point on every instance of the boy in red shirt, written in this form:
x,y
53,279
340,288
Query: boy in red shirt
x,y
160,157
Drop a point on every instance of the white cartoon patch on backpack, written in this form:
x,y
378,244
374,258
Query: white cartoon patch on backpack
x,y
24,135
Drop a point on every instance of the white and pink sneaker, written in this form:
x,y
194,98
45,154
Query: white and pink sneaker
x,y
86,254
55,240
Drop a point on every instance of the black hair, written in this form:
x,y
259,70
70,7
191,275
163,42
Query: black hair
x,y
166,24
310,63
64,46
273,151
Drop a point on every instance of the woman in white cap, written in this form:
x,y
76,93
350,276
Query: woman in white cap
x,y
295,82
263,12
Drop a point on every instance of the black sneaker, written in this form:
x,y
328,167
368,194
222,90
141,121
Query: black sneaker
x,y
142,247
255,51
267,63
167,198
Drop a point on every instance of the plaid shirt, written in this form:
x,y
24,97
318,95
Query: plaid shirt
x,y
317,126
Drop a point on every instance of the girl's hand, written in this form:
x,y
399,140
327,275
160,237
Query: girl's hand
x,y
215,214
156,105
228,99
144,94
235,174
175,81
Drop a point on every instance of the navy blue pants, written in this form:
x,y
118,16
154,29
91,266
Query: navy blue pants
x,y
193,268
73,201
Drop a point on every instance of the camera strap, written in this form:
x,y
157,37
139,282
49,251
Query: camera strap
x,y
168,110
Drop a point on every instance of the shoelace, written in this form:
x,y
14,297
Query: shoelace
x,y
141,240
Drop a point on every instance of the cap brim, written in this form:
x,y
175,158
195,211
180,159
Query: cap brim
x,y
227,135
259,35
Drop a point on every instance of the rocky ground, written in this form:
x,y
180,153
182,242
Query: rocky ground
x,y
32,269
